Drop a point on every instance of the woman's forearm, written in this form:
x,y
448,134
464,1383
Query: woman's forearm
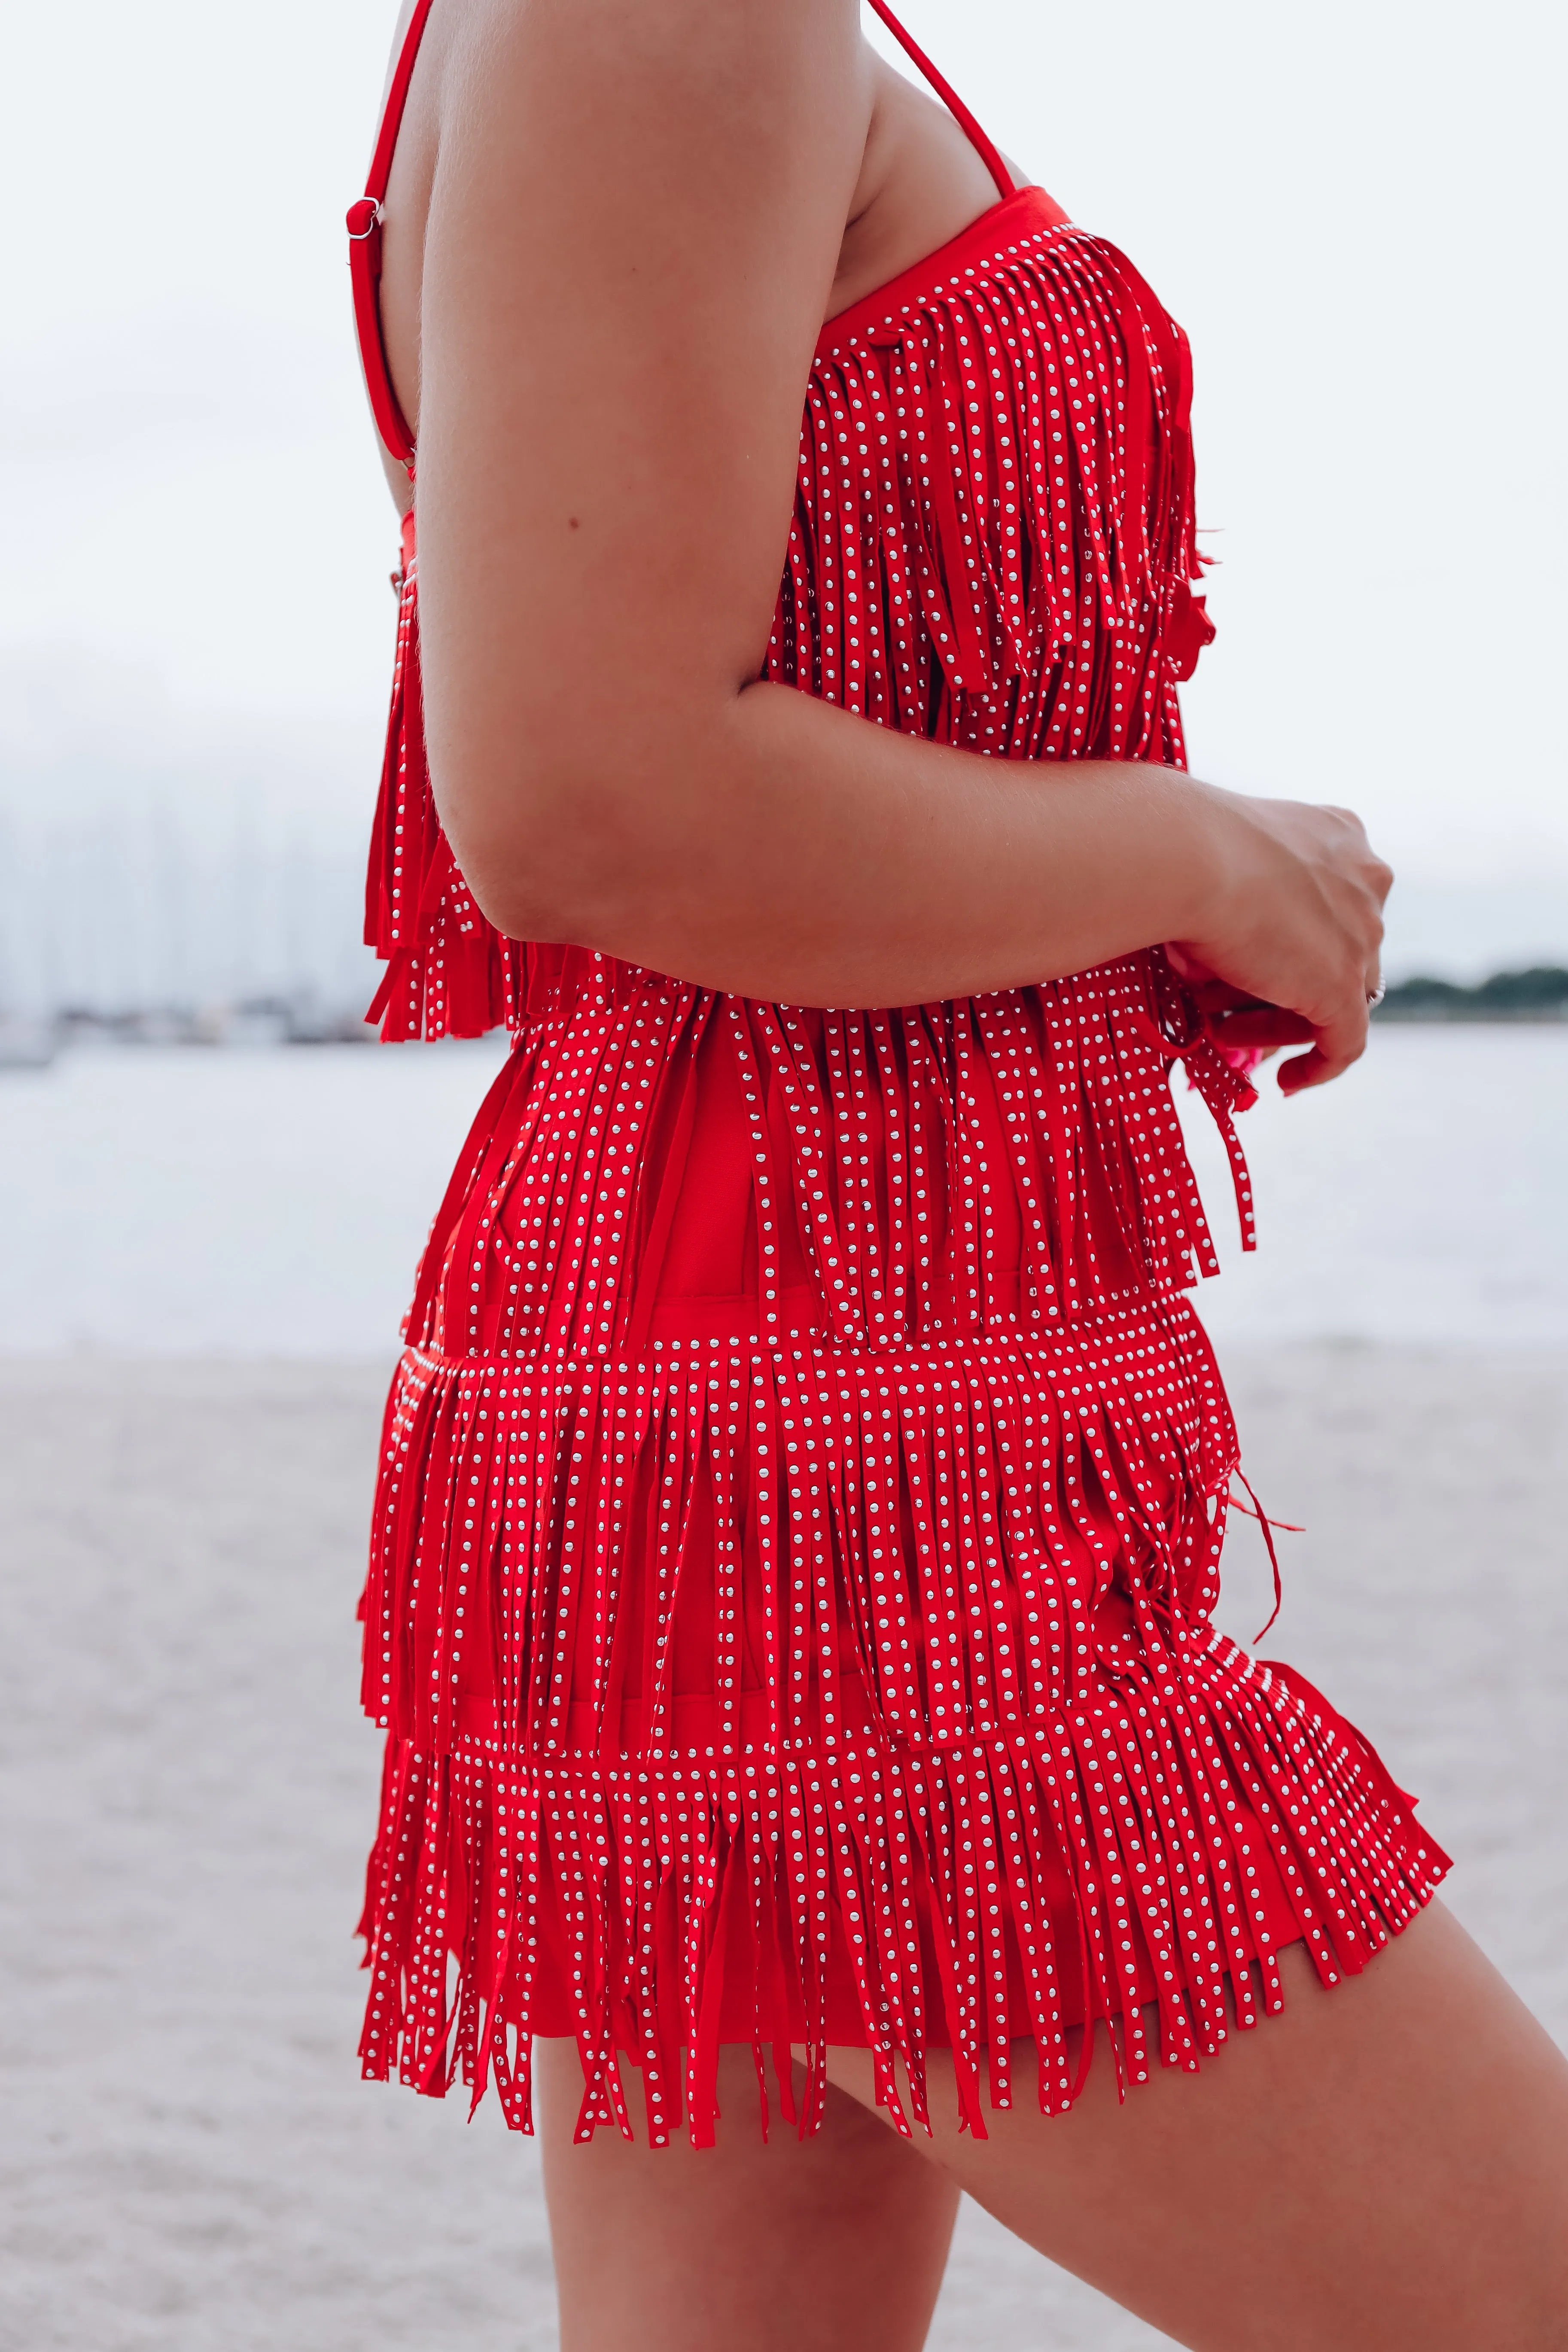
x,y
789,850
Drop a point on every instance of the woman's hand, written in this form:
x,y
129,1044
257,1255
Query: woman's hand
x,y
1290,953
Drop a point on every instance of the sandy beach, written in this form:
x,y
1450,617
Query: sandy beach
x,y
190,2161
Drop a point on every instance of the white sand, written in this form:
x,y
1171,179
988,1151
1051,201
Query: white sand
x,y
189,2159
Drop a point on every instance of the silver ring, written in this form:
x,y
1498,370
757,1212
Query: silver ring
x,y
1375,996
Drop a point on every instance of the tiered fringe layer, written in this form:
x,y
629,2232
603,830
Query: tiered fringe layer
x,y
1139,1789
992,545
958,1689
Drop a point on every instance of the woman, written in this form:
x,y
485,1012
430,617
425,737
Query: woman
x,y
802,1492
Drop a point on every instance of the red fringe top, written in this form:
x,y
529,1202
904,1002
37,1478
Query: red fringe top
x,y
1051,623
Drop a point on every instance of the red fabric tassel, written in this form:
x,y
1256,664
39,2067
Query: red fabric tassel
x,y
1255,1511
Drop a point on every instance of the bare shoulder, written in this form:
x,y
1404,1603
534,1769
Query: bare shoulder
x,y
664,178
625,84
634,215
667,143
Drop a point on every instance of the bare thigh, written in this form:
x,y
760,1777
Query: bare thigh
x,y
836,2242
1378,2166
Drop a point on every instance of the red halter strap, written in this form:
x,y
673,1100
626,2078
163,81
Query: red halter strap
x,y
364,253
364,217
982,147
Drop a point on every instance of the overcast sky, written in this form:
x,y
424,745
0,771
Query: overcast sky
x,y
1354,210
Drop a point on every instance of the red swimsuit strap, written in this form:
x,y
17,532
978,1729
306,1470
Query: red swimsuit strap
x,y
982,147
366,216
365,252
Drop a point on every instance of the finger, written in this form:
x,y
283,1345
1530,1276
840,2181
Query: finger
x,y
1338,1043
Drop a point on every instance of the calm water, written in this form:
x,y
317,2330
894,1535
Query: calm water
x,y
274,1203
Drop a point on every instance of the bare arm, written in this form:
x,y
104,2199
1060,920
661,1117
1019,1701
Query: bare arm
x,y
634,228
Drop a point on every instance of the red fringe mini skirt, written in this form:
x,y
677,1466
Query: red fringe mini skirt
x,y
802,1494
